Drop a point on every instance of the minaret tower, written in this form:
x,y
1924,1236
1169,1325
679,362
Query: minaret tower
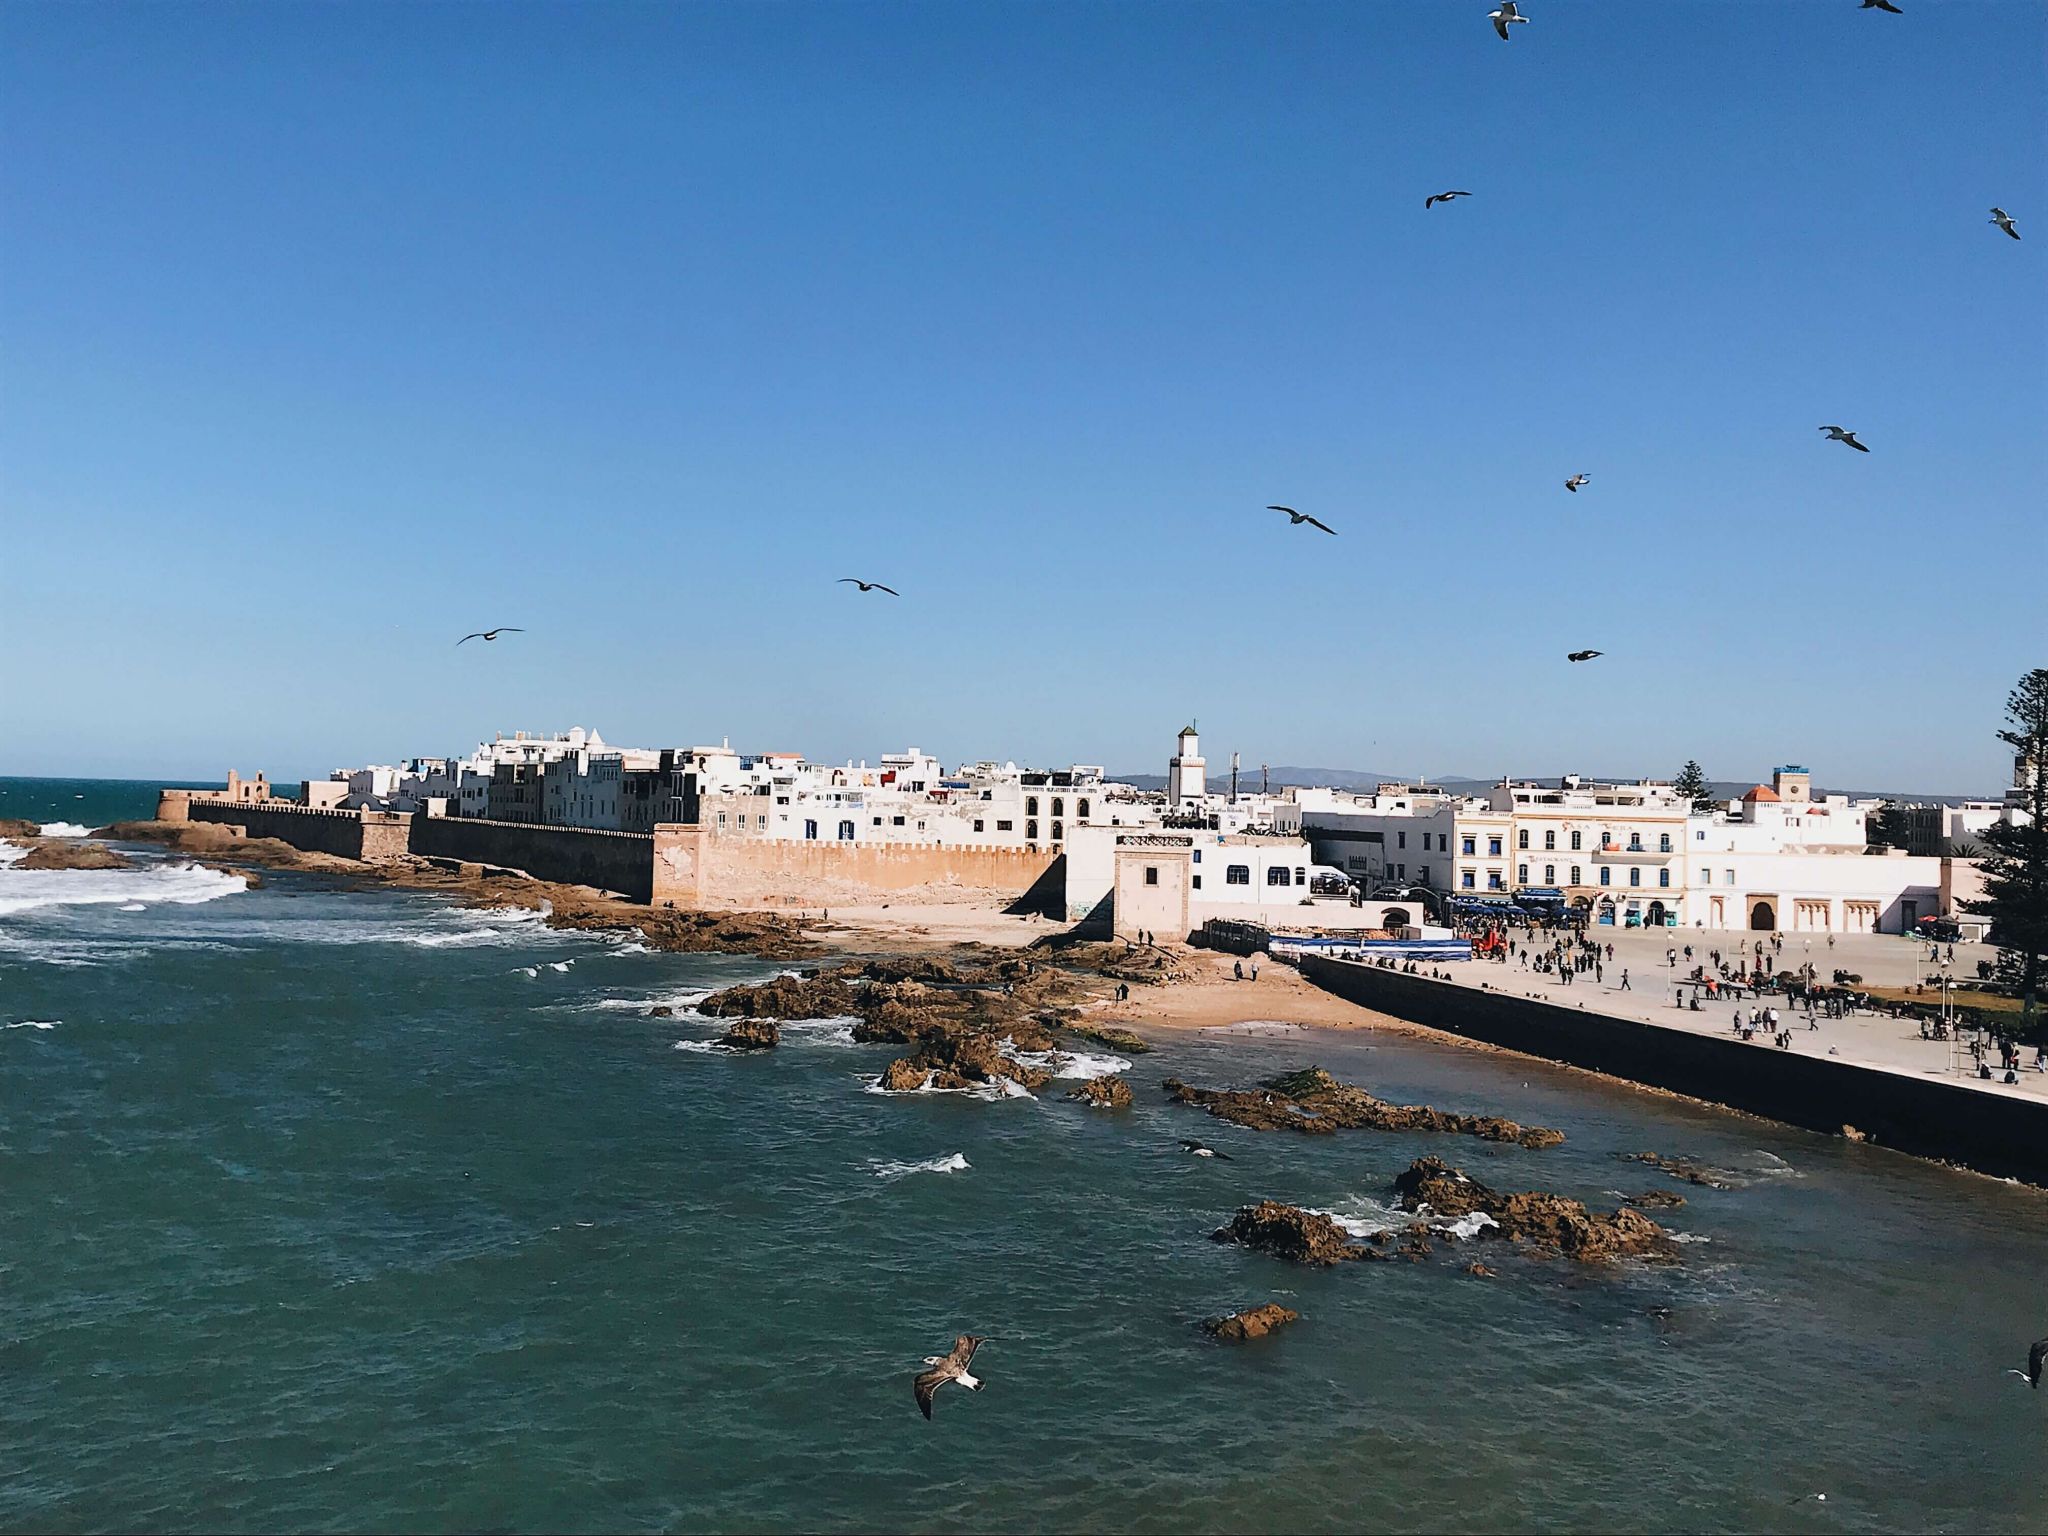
x,y
1187,774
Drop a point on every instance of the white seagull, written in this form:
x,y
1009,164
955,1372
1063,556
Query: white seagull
x,y
945,1368
1837,435
2036,1358
2004,221
1296,519
1441,197
492,634
1502,17
1576,481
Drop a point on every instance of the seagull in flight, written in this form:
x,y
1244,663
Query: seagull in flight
x,y
1576,481
869,586
2036,1358
1837,435
945,1368
2004,221
1882,5
1441,197
1502,17
1200,1150
1295,519
1582,655
492,634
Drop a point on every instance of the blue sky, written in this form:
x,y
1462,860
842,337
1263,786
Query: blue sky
x,y
328,333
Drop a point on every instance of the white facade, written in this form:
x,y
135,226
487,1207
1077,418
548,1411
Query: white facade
x,y
1187,776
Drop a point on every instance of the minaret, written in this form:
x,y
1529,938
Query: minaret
x,y
1187,774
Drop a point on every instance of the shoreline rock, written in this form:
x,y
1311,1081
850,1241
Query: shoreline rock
x,y
1677,1167
751,1035
1288,1232
1317,1104
1543,1223
1252,1323
1106,1092
70,853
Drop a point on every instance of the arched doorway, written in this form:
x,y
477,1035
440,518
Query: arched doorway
x,y
1656,914
1604,913
1762,918
1396,917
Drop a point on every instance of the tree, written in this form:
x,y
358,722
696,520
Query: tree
x,y
1692,784
2015,856
1885,827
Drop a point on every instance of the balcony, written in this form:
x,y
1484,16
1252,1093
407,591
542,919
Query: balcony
x,y
1617,851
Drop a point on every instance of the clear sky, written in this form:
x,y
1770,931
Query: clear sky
x,y
331,332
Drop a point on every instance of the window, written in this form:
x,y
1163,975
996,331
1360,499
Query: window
x,y
977,824
1706,877
1465,880
1576,836
1493,880
811,831
1400,839
1663,877
1059,829
1635,874
1278,875
1635,842
1549,839
1238,874
1728,878
1465,846
1198,882
846,831
1030,831
1521,874
1699,837
1606,875
1006,826
1151,874
1080,810
1577,870
1059,805
896,820
1664,843
1300,875
1550,874
1422,873
1522,838
721,818
1198,855
1493,847
1031,805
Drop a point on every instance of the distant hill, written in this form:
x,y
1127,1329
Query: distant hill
x,y
1360,779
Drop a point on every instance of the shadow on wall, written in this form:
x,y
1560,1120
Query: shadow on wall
x,y
1048,894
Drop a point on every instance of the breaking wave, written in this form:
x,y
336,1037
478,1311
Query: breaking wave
x,y
1001,1088
53,1023
64,829
1067,1064
178,884
956,1163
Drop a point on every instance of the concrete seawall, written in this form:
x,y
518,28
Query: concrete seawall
x,y
1927,1116
607,861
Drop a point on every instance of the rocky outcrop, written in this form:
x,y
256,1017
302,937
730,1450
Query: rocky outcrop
x,y
1543,1223
14,830
1288,1232
1254,1323
1119,1040
817,996
752,1035
661,1011
1677,1167
1106,1092
1317,1104
71,853
1658,1200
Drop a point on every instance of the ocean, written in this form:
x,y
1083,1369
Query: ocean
x,y
339,1209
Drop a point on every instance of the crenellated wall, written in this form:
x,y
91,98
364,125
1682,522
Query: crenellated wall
x,y
622,862
692,867
340,833
1929,1117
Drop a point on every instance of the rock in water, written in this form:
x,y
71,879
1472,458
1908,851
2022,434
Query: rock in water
x,y
1288,1232
71,853
1106,1092
752,1035
1546,1223
1317,1104
1677,1167
1658,1199
1253,1324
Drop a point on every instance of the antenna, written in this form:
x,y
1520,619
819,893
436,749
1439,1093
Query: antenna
x,y
1233,778
1264,789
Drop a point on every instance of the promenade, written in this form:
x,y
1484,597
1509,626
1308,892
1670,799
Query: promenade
x,y
1863,1039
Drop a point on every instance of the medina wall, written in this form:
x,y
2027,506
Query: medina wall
x,y
337,832
621,862
694,868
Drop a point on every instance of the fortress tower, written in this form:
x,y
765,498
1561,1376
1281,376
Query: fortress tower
x,y
1187,776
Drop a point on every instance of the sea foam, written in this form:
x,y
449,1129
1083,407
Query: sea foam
x,y
178,884
35,1024
64,829
956,1163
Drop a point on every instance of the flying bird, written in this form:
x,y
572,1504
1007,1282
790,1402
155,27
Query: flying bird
x,y
1502,17
945,1368
1441,197
1882,5
1295,519
1582,655
1576,481
492,634
1837,435
869,586
1200,1150
2004,221
2036,1358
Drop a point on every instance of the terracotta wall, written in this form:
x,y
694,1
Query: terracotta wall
x,y
692,867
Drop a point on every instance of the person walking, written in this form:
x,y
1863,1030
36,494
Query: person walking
x,y
1624,979
1237,971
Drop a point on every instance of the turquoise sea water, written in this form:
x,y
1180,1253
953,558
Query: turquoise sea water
x,y
336,1209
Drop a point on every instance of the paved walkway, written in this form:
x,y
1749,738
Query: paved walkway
x,y
1869,1040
